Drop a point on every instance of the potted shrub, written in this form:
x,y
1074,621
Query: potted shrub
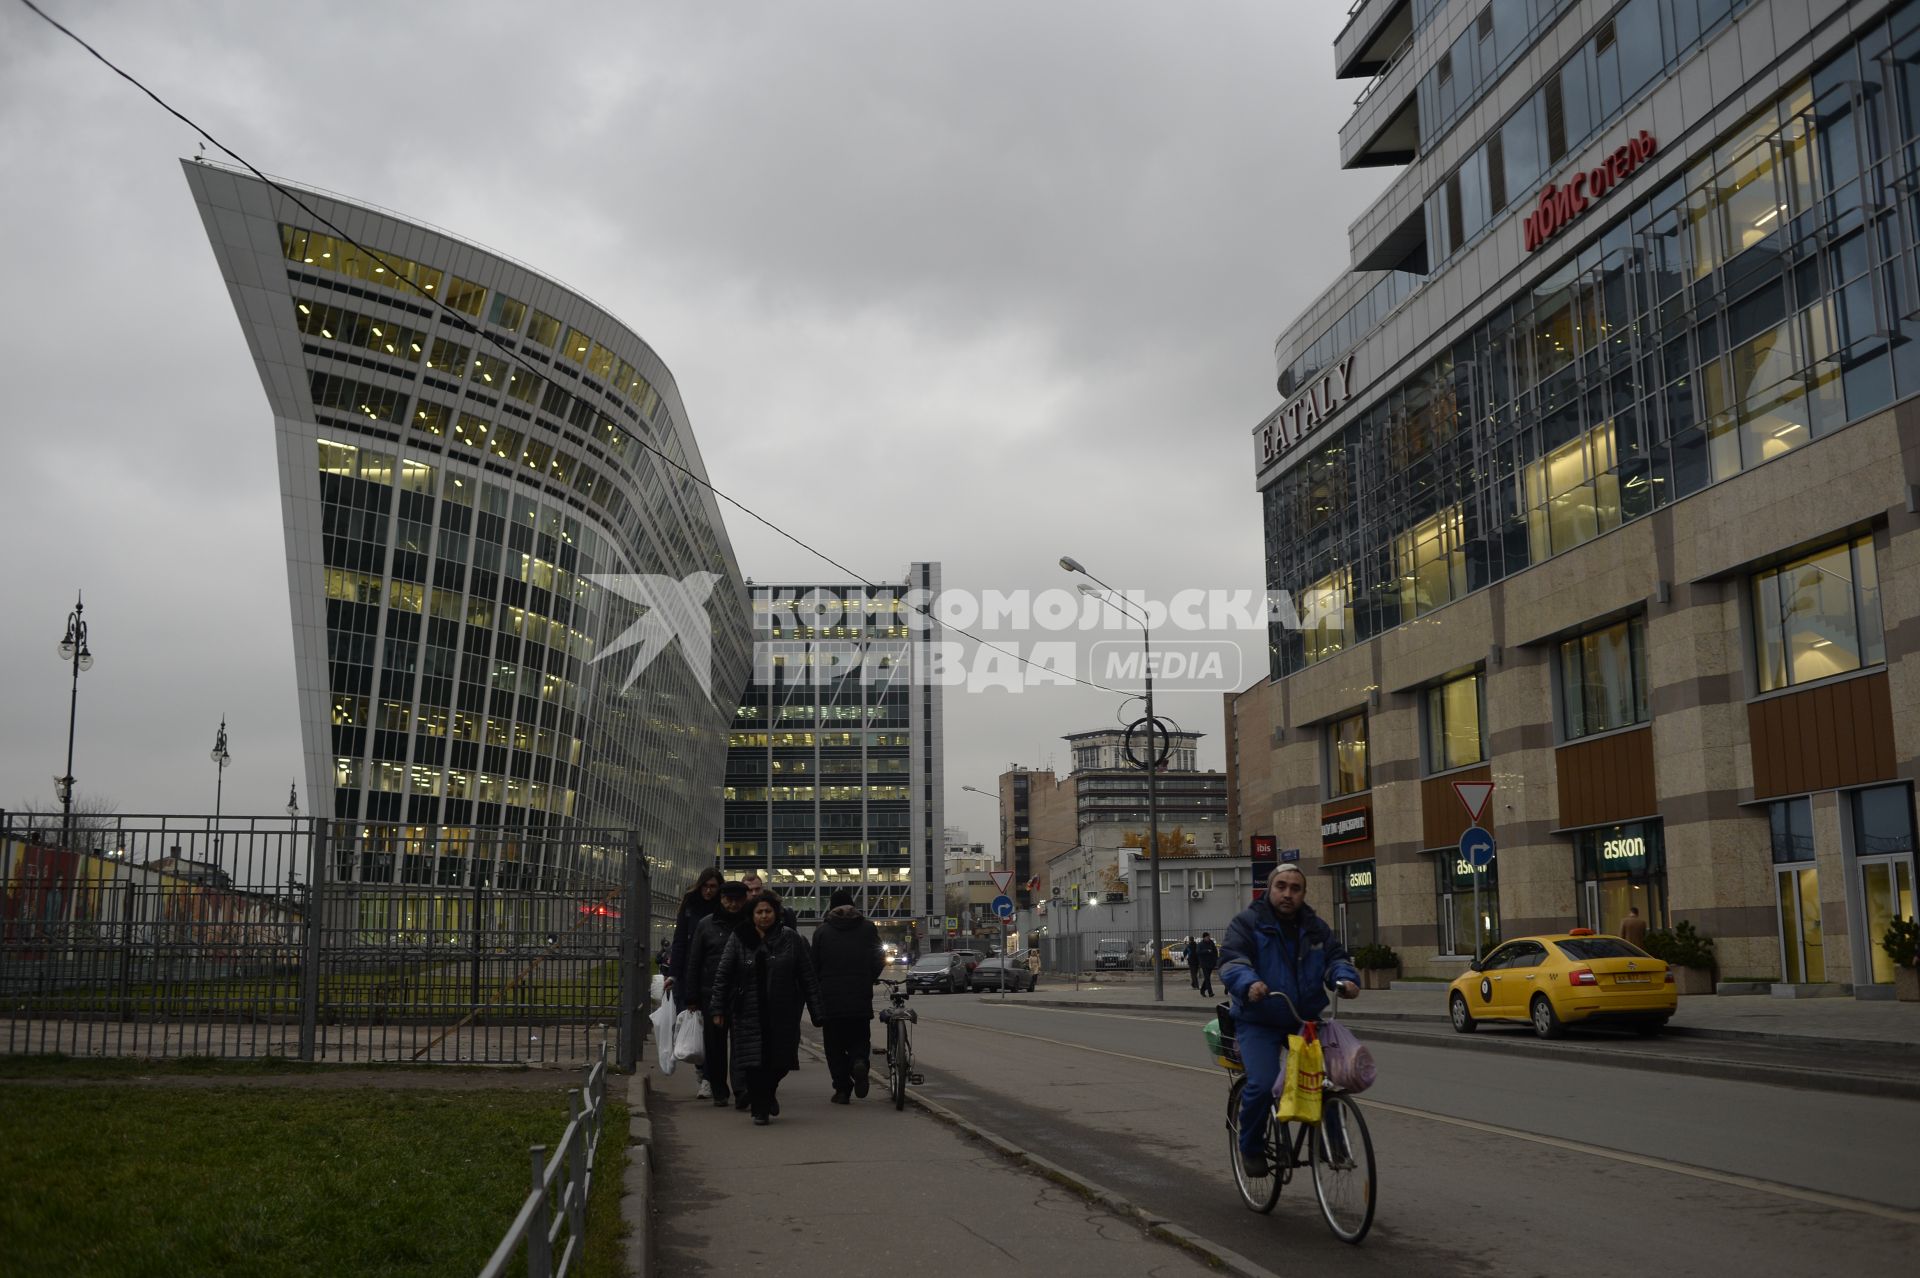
x,y
1378,965
1902,944
1688,953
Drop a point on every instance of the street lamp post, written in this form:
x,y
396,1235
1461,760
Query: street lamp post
x,y
73,652
220,759
1113,598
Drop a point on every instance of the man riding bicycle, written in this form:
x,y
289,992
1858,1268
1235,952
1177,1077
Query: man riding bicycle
x,y
1277,946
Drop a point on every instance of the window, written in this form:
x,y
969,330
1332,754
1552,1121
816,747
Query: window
x,y
464,295
1603,679
1572,493
507,313
492,372
576,347
544,329
1326,615
449,359
1620,868
1792,830
1456,889
1431,560
1203,880
1347,755
1455,737
1819,616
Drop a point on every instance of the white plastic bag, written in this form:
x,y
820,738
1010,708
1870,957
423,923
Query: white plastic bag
x,y
659,988
689,1043
663,1036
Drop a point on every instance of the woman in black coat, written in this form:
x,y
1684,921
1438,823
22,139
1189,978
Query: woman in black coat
x,y
766,978
701,900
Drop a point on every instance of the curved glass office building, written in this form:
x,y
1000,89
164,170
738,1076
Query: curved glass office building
x,y
476,512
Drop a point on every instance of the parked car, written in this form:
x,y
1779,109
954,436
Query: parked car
x,y
1112,955
998,973
944,973
1174,955
1566,977
971,956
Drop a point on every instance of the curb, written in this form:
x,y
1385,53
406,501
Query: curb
x,y
1156,1226
636,1190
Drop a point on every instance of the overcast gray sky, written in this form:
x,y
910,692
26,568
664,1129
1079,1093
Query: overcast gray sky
x,y
981,283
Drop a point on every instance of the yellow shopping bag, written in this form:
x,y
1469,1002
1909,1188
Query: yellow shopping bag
x,y
1302,1079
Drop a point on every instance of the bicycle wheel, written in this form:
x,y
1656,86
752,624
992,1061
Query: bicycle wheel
x,y
1343,1179
897,1064
1260,1192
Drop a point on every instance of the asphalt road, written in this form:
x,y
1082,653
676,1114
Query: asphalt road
x,y
1489,1163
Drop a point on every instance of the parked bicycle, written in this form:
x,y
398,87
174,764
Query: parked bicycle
x,y
1338,1148
899,1020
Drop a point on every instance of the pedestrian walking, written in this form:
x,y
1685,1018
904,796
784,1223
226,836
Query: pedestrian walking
x,y
848,959
724,1078
766,979
1633,928
1033,963
701,900
1193,973
1206,956
756,885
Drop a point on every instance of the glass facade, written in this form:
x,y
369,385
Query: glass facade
x,y
1766,296
1618,868
1455,886
451,555
825,774
1818,616
1347,756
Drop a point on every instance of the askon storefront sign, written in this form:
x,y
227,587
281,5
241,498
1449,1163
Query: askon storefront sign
x,y
1559,206
1304,413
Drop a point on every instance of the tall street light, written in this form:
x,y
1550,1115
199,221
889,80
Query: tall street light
x,y
1119,604
73,652
220,759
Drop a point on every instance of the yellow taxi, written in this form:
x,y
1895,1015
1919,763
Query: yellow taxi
x,y
1554,981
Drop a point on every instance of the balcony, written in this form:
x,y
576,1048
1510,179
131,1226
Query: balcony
x,y
1384,128
1375,28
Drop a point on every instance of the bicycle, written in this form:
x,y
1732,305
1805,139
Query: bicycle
x,y
898,1017
1338,1148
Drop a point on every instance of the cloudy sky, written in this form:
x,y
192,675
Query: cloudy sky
x,y
981,283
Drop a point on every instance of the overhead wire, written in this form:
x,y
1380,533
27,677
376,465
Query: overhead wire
x,y
465,325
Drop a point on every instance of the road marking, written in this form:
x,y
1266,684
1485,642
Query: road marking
x,y
1904,1215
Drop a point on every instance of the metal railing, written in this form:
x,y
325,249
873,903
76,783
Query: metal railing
x,y
562,1188
319,939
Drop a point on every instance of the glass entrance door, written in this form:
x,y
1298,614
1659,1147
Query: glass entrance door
x,y
1803,955
1886,890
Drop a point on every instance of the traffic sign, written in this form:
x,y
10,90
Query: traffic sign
x,y
1476,847
1002,880
1003,906
1474,794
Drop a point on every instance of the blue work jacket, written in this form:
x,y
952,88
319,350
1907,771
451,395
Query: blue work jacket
x,y
1302,967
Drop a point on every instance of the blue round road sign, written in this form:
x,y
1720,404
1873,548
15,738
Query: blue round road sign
x,y
1003,906
1476,847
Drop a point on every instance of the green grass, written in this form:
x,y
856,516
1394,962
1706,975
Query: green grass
x,y
269,1181
57,1066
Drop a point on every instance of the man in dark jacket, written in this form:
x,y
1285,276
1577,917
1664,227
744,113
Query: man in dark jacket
x,y
756,885
1193,973
1278,961
848,956
709,942
1205,956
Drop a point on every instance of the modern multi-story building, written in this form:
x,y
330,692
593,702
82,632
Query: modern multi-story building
x,y
1066,832
468,451
1597,477
833,775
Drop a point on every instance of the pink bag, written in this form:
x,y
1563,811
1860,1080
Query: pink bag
x,y
1349,1063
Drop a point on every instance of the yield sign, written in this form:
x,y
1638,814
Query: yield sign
x,y
1001,879
1474,794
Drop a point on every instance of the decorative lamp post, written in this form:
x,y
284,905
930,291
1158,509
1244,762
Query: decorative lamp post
x,y
74,653
1154,732
220,759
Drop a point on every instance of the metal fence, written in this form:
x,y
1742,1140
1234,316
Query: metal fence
x,y
1115,950
562,1188
320,940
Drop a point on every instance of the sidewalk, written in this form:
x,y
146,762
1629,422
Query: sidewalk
x,y
839,1191
1757,1017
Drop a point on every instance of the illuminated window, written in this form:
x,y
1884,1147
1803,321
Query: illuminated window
x,y
326,253
1819,616
1572,494
523,386
1326,614
471,431
490,371
1347,755
1455,737
577,346
430,417
1431,561
600,362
